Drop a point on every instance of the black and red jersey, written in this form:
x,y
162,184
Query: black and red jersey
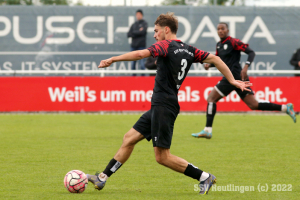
x,y
174,61
229,50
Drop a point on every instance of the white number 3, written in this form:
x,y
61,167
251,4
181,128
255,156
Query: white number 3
x,y
184,64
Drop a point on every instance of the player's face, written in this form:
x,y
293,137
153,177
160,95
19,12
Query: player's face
x,y
222,31
159,33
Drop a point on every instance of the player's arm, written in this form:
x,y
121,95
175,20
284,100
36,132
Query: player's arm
x,y
223,68
129,34
251,55
240,46
207,66
131,56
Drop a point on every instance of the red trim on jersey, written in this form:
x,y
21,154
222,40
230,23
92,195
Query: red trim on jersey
x,y
228,38
238,44
160,48
200,55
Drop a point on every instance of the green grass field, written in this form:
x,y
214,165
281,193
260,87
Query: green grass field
x,y
36,151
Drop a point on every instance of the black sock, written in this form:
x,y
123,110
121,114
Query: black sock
x,y
210,113
269,106
193,172
112,167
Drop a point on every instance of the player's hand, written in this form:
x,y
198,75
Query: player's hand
x,y
243,85
299,63
141,28
105,63
244,75
206,66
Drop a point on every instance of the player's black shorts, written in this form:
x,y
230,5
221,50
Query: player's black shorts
x,y
224,88
157,124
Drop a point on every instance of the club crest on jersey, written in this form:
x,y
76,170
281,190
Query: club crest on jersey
x,y
225,46
178,86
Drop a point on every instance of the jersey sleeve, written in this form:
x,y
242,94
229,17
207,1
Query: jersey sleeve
x,y
159,48
200,55
238,44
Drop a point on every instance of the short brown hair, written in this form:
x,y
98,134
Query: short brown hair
x,y
169,20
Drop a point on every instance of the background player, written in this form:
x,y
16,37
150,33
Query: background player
x,y
173,63
229,50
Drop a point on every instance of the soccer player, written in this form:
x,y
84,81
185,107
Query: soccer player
x,y
229,50
173,63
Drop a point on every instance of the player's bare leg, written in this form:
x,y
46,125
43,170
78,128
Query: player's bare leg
x,y
213,97
253,104
165,158
130,139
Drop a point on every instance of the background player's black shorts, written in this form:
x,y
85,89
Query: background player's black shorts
x,y
157,124
224,88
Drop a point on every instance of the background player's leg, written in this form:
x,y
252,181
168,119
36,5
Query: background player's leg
x,y
164,157
253,104
211,110
133,65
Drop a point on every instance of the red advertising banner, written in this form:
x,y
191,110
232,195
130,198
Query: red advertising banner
x,y
130,93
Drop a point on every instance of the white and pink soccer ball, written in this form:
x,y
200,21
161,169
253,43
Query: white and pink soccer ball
x,y
75,181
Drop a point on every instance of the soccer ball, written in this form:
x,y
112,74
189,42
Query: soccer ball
x,y
75,181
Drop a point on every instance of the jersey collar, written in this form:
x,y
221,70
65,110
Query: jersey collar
x,y
228,38
176,40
